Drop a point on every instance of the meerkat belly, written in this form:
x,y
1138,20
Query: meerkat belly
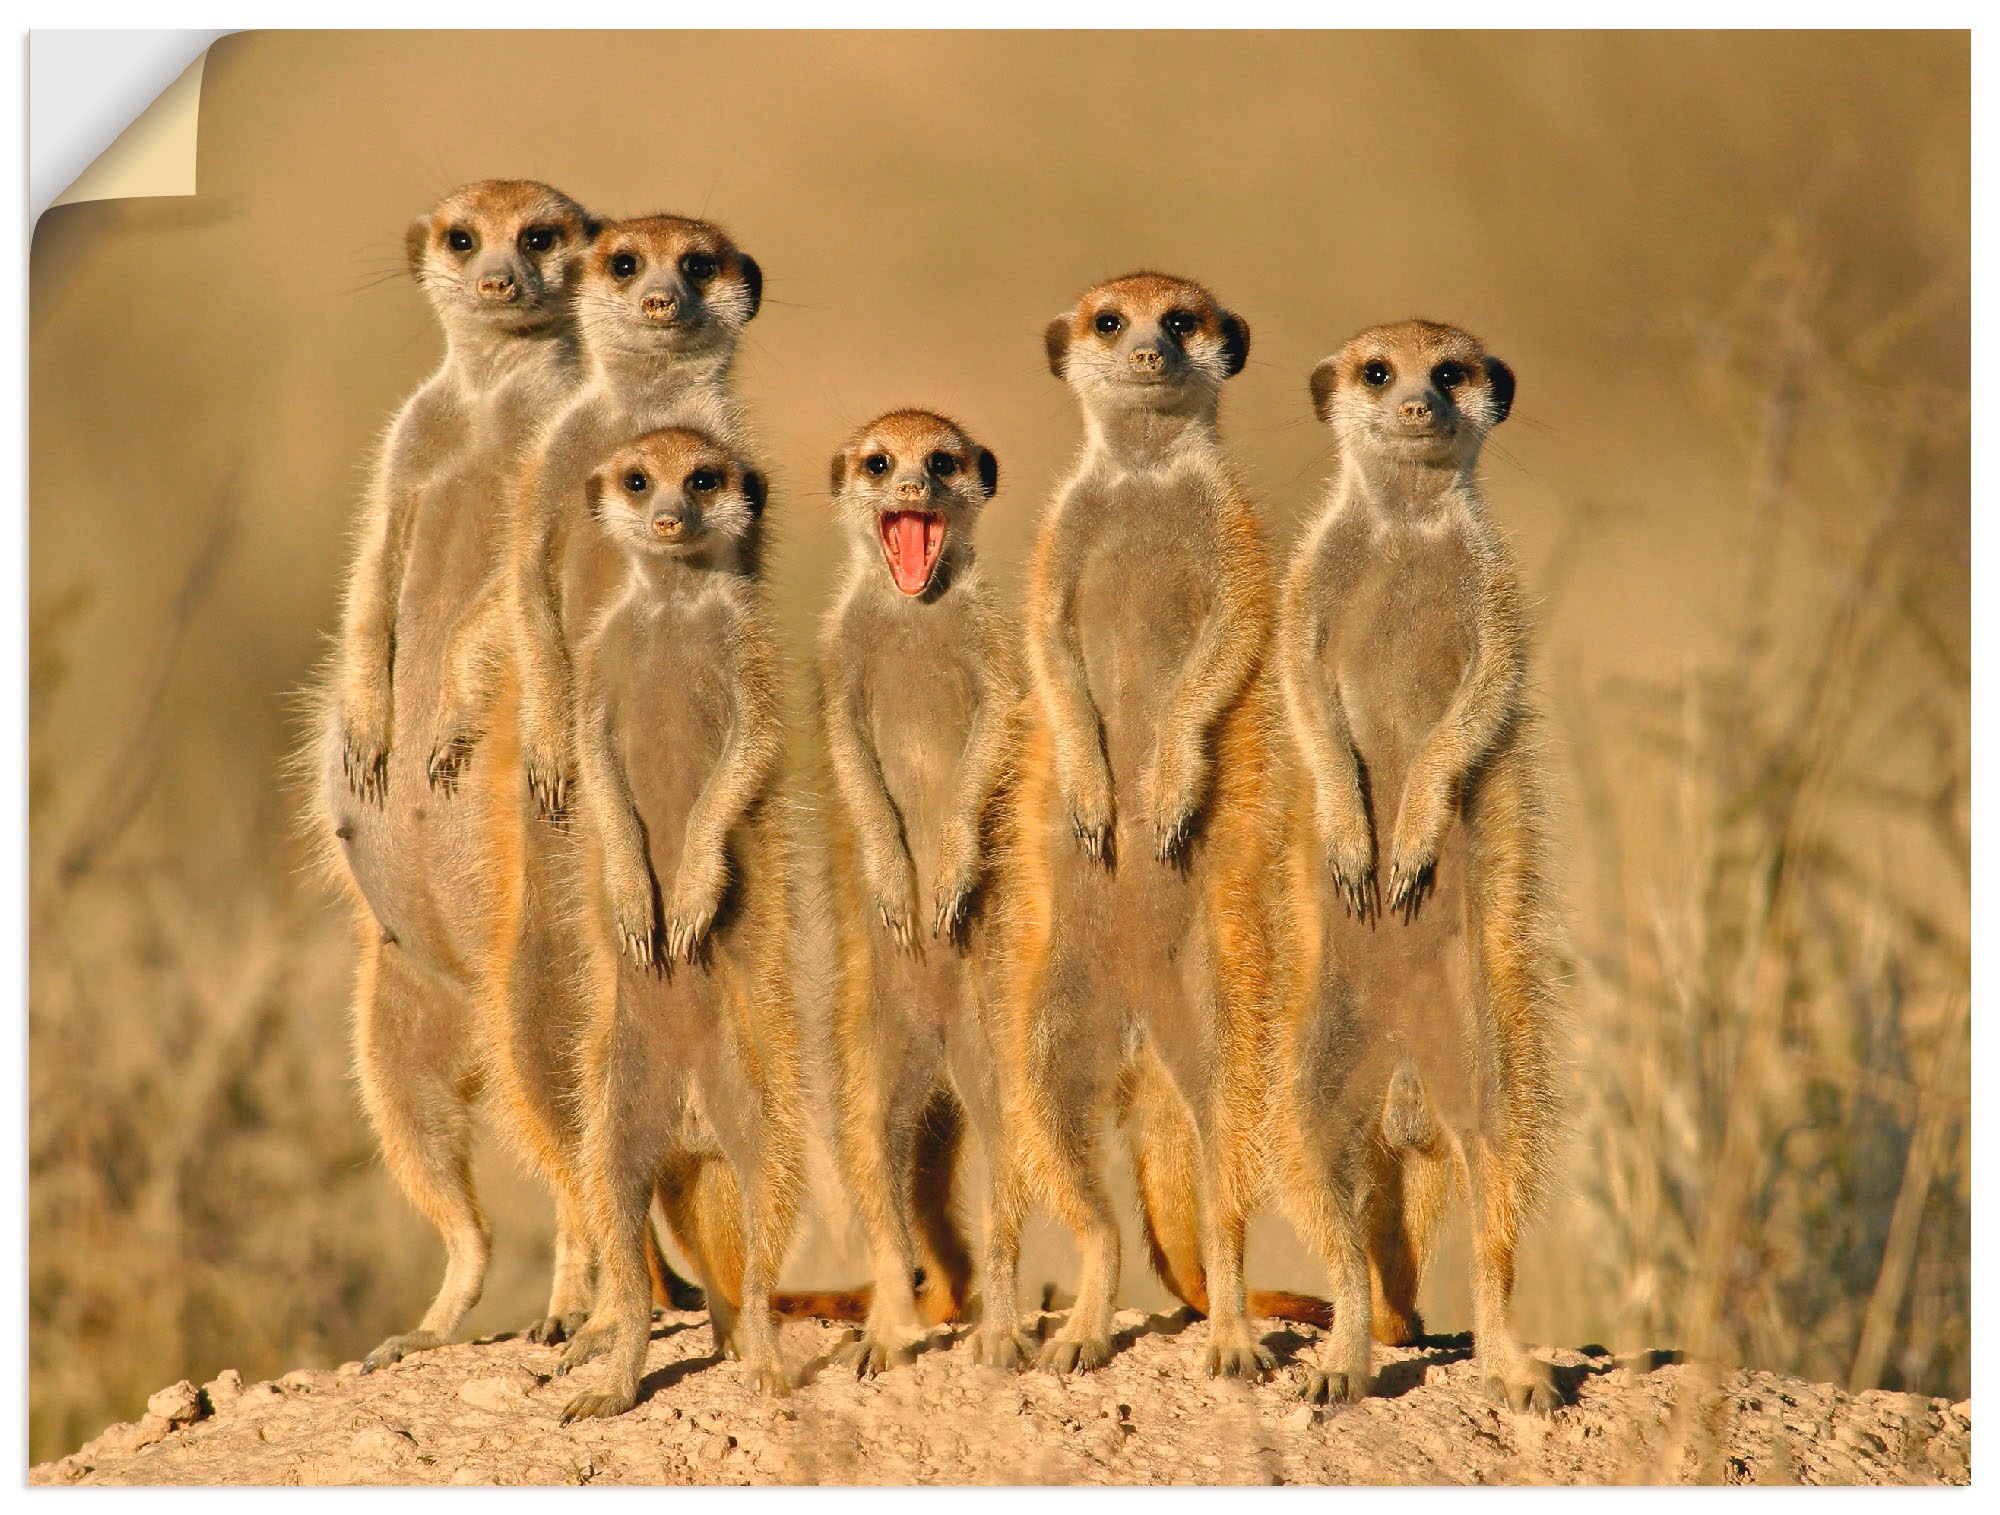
x,y
1140,604
1407,988
920,705
412,857
671,716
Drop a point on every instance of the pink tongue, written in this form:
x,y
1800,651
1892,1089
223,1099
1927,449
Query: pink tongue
x,y
909,560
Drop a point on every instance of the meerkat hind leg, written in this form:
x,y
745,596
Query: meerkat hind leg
x,y
946,1260
1512,1376
884,1133
421,1109
1344,1372
570,1292
1076,1192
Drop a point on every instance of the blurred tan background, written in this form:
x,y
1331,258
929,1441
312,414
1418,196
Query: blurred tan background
x,y
1732,273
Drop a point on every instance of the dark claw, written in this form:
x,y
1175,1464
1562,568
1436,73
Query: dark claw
x,y
367,773
447,762
950,917
1170,839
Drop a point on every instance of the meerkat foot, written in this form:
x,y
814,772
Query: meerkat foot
x,y
366,764
1334,1388
1526,1386
586,1343
1238,1358
550,787
1008,1350
867,1353
1074,1354
600,1404
767,1375
396,1348
554,1330
1410,884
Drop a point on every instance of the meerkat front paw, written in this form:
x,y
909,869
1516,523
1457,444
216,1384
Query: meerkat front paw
x,y
1174,784
696,902
364,740
1334,1387
396,1348
600,1404
958,877
554,1330
767,1375
1413,857
1349,851
1235,1353
1089,799
450,754
1001,1349
895,898
635,922
545,756
1074,1354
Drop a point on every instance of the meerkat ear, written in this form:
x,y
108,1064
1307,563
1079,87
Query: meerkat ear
x,y
589,227
415,240
836,474
1325,376
753,491
1501,378
1235,343
753,280
1056,340
989,472
593,491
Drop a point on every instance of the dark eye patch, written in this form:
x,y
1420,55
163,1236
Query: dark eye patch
x,y
1180,322
538,239
1375,373
941,464
697,267
635,482
876,463
1108,323
458,239
704,481
1448,375
623,265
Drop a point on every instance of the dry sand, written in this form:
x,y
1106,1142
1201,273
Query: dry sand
x,y
487,1413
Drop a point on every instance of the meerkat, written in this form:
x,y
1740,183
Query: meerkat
x,y
497,261
918,699
660,302
693,1061
1142,841
1417,1037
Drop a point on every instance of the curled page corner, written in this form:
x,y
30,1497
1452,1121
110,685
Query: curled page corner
x,y
85,86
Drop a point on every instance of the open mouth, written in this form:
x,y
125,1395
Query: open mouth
x,y
911,542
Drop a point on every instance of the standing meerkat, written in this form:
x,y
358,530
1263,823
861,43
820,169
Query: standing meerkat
x,y
1134,883
660,303
1417,1036
693,1060
918,697
497,260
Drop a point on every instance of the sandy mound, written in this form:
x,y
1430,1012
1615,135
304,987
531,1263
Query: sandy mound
x,y
487,1413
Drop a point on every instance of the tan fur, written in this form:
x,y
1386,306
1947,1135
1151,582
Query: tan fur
x,y
1416,1043
656,348
1132,888
918,689
497,260
691,1080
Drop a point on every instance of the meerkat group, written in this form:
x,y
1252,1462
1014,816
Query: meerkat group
x,y
1249,861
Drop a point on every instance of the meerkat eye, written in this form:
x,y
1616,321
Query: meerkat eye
x,y
699,268
876,463
941,464
635,482
1108,323
704,481
1448,375
459,239
1180,322
538,239
1375,373
623,265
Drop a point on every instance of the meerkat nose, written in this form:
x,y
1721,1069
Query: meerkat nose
x,y
499,288
1148,359
912,489
668,525
657,306
1416,412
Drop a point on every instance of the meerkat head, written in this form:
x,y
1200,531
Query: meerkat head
x,y
678,494
912,483
1415,392
501,254
667,285
1147,342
